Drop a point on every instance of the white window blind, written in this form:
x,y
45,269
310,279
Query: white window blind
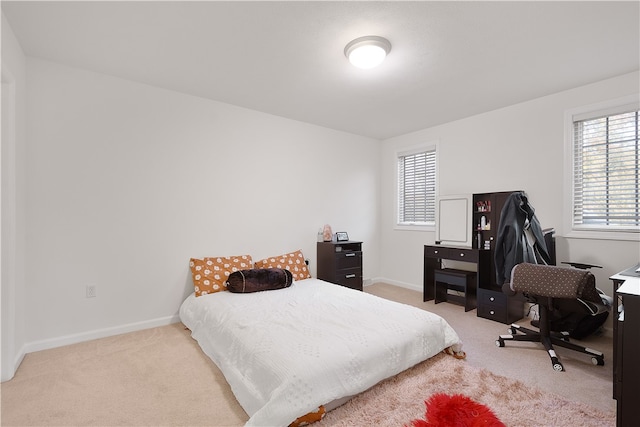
x,y
417,188
606,173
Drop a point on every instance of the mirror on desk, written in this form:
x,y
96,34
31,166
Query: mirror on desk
x,y
453,225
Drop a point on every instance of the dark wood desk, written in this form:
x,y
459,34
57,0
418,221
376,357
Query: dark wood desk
x,y
626,348
433,255
492,304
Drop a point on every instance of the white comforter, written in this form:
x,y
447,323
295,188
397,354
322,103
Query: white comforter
x,y
285,352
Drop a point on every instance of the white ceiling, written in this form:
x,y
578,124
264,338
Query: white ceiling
x,y
449,59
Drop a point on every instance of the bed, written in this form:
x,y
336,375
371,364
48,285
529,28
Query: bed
x,y
288,351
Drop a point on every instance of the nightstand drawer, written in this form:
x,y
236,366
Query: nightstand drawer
x,y
350,277
351,259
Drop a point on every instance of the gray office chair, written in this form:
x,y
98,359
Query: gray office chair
x,y
550,286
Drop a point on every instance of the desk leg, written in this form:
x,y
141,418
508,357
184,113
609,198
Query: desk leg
x,y
441,290
471,292
430,265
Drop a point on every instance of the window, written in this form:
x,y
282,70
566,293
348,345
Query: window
x,y
606,172
417,187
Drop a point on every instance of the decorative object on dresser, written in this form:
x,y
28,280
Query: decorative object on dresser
x,y
341,263
342,236
327,233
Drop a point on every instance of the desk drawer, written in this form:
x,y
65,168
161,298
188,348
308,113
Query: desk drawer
x,y
496,313
454,254
467,255
492,299
495,305
436,252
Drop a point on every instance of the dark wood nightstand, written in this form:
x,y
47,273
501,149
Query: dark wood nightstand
x,y
341,263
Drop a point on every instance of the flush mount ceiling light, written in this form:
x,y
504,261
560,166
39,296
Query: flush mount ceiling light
x,y
368,51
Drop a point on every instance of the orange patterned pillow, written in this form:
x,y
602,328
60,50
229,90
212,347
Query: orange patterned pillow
x,y
210,274
293,261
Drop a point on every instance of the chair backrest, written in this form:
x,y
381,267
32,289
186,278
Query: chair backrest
x,y
551,281
550,241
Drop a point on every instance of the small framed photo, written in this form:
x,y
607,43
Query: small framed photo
x,y
342,236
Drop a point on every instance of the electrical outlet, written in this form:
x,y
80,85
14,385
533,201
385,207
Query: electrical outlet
x,y
91,291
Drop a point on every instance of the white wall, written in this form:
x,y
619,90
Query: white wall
x,y
515,148
119,183
12,153
126,182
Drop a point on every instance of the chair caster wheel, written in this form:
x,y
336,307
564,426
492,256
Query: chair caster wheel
x,y
499,343
512,331
558,367
597,361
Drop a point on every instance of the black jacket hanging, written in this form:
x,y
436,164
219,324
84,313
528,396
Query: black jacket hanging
x,y
520,238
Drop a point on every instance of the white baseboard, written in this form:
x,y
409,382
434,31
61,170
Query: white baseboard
x,y
405,285
6,376
95,334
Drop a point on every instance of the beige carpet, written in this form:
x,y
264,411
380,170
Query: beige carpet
x,y
154,377
397,401
160,377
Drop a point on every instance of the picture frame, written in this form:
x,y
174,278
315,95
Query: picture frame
x,y
342,236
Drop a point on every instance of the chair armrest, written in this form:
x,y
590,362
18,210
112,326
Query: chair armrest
x,y
594,308
581,265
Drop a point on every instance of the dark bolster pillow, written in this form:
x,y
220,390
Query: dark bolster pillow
x,y
259,279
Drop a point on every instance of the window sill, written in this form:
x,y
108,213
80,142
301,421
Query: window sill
x,y
414,227
604,235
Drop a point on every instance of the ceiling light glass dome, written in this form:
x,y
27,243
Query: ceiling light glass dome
x,y
368,51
